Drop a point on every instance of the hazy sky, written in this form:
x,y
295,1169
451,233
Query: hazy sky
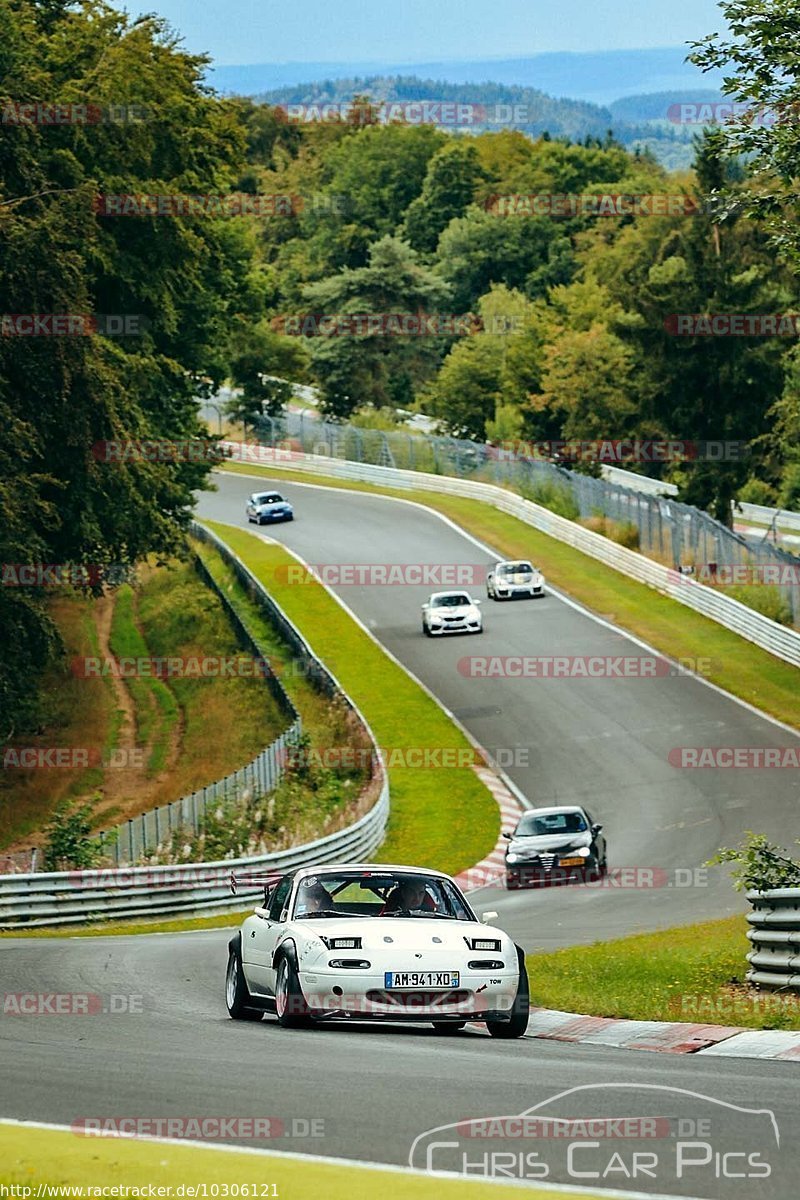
x,y
253,31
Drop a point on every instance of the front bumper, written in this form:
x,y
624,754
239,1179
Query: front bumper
x,y
361,995
265,518
519,589
455,627
532,874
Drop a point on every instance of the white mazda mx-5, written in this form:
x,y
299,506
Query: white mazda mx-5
x,y
374,943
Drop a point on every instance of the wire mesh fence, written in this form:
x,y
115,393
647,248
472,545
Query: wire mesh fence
x,y
676,534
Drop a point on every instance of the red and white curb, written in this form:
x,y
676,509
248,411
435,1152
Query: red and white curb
x,y
666,1037
491,870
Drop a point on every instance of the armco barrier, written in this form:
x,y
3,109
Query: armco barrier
x,y
775,936
75,897
760,513
778,639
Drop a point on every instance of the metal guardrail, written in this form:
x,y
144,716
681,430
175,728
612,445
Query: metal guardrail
x,y
666,529
761,513
784,518
777,639
75,897
775,936
78,897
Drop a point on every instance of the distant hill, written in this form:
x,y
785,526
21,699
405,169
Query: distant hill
x,y
599,77
560,118
574,119
654,106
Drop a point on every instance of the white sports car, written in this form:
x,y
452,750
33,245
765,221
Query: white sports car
x,y
374,943
509,579
451,612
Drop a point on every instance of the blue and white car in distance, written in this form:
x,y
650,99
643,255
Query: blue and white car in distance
x,y
264,507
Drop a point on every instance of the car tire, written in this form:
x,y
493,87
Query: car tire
x,y
237,998
426,630
290,1005
447,1028
520,1013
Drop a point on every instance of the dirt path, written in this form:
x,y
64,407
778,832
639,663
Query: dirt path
x,y
127,788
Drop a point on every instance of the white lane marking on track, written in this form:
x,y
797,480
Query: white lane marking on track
x,y
565,599
359,1164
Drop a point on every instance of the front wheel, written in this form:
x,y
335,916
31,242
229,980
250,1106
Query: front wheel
x,y
520,1013
426,630
237,997
290,1005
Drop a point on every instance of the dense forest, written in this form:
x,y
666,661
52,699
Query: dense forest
x,y
549,324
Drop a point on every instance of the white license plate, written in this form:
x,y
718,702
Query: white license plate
x,y
421,979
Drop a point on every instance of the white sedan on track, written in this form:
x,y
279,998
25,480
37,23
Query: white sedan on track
x,y
374,943
451,612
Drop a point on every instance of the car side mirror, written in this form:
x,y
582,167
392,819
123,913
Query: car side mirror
x,y
596,829
487,917
507,835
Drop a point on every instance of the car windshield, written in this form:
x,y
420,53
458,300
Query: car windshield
x,y
378,894
521,568
269,498
538,825
456,600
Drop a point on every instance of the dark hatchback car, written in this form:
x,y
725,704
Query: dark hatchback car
x,y
555,845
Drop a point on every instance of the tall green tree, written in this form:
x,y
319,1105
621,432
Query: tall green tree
x,y
181,278
381,367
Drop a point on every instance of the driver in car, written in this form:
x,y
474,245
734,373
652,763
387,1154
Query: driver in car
x,y
408,894
314,898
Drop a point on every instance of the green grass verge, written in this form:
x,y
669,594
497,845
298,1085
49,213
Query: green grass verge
x,y
441,817
736,665
692,973
32,1157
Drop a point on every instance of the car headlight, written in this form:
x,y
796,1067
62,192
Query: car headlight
x,y
482,943
435,620
512,857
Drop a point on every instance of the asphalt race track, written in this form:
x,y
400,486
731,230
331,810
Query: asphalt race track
x,y
171,1050
376,1088
601,742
